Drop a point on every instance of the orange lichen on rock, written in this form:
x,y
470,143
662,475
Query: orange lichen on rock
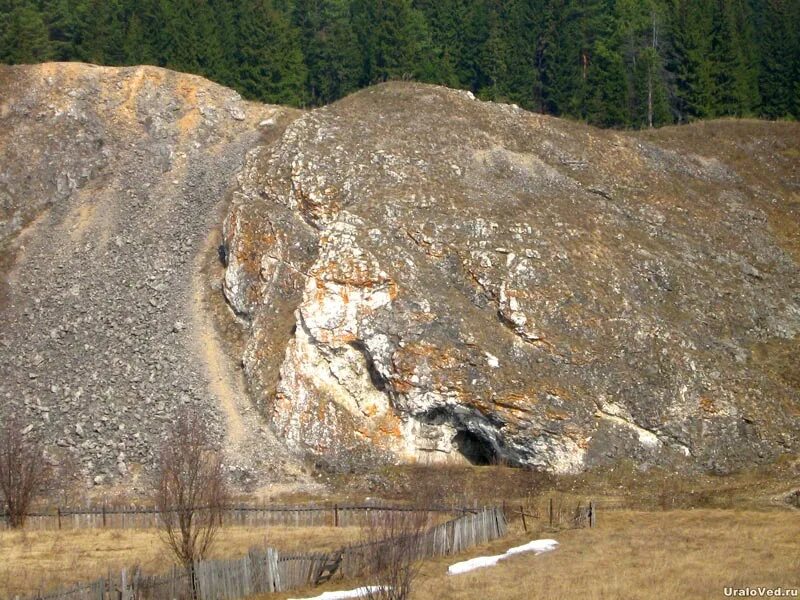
x,y
707,405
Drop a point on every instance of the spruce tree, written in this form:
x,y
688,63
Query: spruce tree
x,y
561,58
394,39
268,54
611,62
63,19
778,75
724,64
641,37
605,89
494,58
23,34
330,48
446,21
604,93
690,59
524,27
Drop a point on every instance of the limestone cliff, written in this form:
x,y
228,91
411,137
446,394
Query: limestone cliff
x,y
435,278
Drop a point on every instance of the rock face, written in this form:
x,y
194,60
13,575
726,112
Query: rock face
x,y
431,278
413,275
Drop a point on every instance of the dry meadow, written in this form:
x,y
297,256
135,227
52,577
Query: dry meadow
x,y
40,560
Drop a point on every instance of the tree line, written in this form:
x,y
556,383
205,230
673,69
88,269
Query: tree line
x,y
613,63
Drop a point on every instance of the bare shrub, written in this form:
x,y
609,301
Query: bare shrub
x,y
189,491
392,544
23,469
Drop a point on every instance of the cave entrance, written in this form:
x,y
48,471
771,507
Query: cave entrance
x,y
474,448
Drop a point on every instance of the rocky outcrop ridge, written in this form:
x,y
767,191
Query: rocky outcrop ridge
x,y
466,280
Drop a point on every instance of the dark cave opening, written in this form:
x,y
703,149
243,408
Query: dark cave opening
x,y
474,448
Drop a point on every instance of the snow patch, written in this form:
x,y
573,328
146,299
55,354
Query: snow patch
x,y
536,546
343,595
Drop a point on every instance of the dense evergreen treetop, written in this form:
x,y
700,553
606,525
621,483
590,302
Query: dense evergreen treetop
x,y
615,63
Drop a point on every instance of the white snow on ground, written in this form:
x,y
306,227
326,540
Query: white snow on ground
x,y
536,546
474,563
345,594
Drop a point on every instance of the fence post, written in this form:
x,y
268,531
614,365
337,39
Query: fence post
x,y
591,513
522,512
335,515
58,512
551,512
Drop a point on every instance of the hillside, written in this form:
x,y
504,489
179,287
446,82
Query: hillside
x,y
112,190
412,274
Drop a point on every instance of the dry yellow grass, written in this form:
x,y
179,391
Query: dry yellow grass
x,y
639,555
33,560
630,556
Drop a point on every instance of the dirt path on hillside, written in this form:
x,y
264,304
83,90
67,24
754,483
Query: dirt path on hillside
x,y
226,385
249,442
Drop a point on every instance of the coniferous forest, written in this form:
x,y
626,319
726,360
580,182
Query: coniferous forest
x,y
614,63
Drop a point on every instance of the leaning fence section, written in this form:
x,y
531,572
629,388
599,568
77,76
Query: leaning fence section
x,y
445,539
266,570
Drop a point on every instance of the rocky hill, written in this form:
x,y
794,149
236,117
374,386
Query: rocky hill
x,y
112,191
411,274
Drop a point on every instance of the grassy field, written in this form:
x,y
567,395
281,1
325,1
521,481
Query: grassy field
x,y
33,560
715,532
630,555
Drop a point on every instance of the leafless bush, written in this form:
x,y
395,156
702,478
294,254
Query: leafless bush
x,y
391,544
189,491
23,469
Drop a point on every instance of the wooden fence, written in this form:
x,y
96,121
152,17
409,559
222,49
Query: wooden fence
x,y
133,517
558,513
264,571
